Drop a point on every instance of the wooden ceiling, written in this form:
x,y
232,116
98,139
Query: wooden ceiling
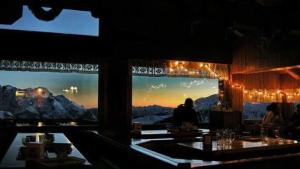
x,y
196,30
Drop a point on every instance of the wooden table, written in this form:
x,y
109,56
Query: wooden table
x,y
240,149
189,154
10,158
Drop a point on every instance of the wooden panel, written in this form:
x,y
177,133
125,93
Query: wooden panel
x,y
260,54
288,82
237,99
221,119
115,100
268,80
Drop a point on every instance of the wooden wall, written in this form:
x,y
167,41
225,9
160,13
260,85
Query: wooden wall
x,y
288,82
259,54
258,62
265,80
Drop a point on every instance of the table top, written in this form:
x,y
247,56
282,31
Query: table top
x,y
242,145
242,151
10,158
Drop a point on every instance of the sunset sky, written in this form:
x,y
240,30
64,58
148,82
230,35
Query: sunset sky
x,y
87,84
170,91
68,22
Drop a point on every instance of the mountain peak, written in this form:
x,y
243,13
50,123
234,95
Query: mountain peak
x,y
39,103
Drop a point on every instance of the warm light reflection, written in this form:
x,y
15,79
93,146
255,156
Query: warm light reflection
x,y
40,124
38,137
237,86
73,123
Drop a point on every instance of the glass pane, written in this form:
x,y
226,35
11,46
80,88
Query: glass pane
x,y
68,22
254,110
48,93
154,98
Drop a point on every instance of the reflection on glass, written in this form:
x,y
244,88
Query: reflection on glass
x,y
154,98
49,95
40,124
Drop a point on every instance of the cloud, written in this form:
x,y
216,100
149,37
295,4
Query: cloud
x,y
160,86
157,87
192,83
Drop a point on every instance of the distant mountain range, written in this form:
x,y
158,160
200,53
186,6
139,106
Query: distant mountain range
x,y
254,111
156,114
39,103
205,103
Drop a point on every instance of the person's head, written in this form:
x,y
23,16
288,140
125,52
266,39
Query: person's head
x,y
274,108
189,102
269,108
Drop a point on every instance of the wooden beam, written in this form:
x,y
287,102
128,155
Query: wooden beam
x,y
278,69
292,74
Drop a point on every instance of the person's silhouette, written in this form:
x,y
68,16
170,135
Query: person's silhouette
x,y
185,113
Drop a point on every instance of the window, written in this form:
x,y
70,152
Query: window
x,y
154,98
48,91
254,110
68,22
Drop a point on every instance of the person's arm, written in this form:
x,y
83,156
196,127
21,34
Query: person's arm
x,y
267,118
263,121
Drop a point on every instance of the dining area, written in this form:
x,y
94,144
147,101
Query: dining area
x,y
220,149
185,84
43,150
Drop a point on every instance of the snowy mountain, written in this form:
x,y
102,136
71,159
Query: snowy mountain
x,y
39,103
254,111
6,115
151,114
151,110
205,103
156,114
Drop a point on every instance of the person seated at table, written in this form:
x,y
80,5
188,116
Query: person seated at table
x,y
295,119
272,117
292,129
185,113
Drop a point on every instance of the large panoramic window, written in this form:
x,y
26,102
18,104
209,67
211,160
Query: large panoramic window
x,y
68,22
154,98
257,100
254,110
48,91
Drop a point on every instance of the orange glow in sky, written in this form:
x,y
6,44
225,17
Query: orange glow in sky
x,y
170,91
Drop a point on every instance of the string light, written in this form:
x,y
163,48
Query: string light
x,y
271,95
202,69
237,86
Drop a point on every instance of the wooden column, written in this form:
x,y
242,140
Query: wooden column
x,y
115,98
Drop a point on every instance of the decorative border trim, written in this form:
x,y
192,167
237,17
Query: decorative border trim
x,y
148,71
159,71
48,66
13,65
